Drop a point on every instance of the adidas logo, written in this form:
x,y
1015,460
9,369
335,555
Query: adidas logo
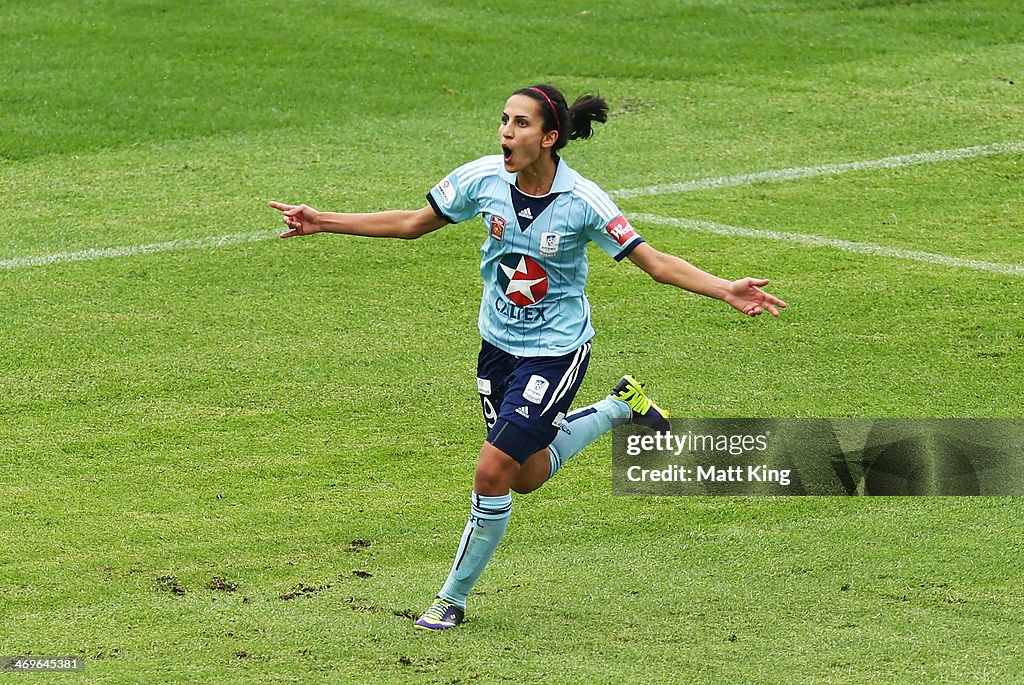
x,y
524,412
526,214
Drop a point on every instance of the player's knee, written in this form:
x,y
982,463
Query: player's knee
x,y
495,472
491,483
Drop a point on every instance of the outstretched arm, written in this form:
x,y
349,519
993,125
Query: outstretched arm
x,y
744,295
303,220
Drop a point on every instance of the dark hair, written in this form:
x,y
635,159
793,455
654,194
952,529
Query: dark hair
x,y
570,122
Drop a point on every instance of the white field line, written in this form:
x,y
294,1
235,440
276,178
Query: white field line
x,y
778,175
773,176
834,243
131,250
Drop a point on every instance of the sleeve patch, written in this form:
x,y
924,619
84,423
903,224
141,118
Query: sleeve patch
x,y
447,190
620,230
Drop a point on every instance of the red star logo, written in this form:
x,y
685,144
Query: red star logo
x,y
524,280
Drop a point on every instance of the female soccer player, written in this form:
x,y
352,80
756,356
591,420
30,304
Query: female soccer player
x,y
539,215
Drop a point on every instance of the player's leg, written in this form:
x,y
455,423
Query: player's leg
x,y
627,402
490,509
491,502
524,401
534,472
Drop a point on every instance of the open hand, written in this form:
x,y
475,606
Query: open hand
x,y
746,296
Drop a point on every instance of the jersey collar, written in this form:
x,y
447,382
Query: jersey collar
x,y
565,177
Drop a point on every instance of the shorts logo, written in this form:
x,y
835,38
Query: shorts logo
x,y
549,244
498,228
535,390
524,412
447,190
522,279
483,386
620,230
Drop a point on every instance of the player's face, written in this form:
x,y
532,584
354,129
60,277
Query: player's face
x,y
521,133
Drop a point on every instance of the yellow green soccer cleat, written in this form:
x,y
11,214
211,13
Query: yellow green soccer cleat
x,y
441,615
645,411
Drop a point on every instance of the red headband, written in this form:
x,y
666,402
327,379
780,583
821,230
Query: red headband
x,y
553,110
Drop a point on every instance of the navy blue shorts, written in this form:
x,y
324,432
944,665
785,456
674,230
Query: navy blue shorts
x,y
524,399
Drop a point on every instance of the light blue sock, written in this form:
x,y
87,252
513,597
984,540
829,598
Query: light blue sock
x,y
488,518
584,426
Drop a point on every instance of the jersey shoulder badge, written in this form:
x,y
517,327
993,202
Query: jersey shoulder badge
x,y
620,230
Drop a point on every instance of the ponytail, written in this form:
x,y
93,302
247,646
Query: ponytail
x,y
584,112
572,123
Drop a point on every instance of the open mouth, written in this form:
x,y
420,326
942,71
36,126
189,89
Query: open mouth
x,y
507,152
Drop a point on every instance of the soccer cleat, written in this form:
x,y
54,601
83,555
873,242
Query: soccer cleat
x,y
441,615
645,411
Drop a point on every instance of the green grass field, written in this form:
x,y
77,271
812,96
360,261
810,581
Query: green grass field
x,y
250,463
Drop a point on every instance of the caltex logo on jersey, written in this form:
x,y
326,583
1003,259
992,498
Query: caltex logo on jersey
x,y
523,279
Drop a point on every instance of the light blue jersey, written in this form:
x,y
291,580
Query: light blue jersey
x,y
534,263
